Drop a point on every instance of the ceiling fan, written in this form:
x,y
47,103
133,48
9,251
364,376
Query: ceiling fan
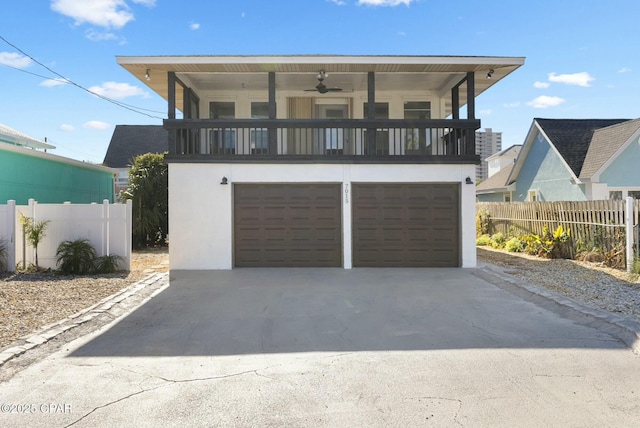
x,y
321,87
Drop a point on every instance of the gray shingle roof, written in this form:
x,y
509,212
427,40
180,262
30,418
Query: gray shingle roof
x,y
497,182
605,143
572,137
129,141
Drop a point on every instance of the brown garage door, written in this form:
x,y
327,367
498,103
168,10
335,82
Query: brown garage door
x,y
287,225
406,225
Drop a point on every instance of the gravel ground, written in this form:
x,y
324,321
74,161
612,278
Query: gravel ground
x,y
30,301
590,283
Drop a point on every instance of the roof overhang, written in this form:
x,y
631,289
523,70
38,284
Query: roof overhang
x,y
297,72
17,138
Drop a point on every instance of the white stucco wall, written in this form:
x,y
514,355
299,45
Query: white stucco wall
x,y
201,209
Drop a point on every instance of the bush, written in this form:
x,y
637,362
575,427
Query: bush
x,y
514,245
76,257
483,223
107,264
483,240
497,240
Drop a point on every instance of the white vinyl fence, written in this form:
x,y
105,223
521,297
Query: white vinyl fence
x,y
106,226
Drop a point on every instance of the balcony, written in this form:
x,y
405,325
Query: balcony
x,y
322,140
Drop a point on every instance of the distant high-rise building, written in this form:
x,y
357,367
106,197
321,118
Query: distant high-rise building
x,y
487,143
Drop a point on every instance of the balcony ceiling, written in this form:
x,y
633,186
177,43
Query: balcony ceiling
x,y
296,73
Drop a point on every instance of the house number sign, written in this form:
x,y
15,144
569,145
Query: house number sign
x,y
346,193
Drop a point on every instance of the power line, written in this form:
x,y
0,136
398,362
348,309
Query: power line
x,y
71,82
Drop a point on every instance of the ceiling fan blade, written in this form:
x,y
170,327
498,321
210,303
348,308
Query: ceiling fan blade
x,y
334,89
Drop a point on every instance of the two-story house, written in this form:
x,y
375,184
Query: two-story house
x,y
321,160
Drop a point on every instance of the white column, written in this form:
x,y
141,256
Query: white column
x,y
11,245
346,218
629,232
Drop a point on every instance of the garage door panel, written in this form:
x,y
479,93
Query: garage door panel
x,y
287,225
405,225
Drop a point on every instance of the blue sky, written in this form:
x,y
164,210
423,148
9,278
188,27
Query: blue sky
x,y
582,56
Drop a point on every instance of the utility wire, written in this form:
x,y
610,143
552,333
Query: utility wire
x,y
71,82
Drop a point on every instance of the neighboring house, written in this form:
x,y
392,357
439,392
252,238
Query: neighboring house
x,y
576,160
336,161
26,173
503,159
494,188
129,141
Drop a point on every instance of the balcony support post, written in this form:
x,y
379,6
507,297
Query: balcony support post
x,y
371,113
272,132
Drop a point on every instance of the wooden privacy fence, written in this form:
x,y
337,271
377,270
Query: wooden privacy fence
x,y
593,224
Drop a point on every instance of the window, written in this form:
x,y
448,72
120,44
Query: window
x,y
506,197
260,136
616,195
635,194
533,195
417,140
222,140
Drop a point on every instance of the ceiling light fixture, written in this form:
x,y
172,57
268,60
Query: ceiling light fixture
x,y
147,75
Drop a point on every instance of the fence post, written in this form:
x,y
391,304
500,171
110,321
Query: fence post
x,y
11,224
629,232
129,231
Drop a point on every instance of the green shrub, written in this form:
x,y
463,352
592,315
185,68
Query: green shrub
x,y
532,244
483,223
483,240
497,240
76,257
556,245
107,264
514,245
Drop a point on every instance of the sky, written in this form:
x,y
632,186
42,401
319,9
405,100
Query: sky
x,y
582,56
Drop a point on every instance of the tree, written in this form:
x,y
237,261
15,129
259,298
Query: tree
x,y
148,191
34,232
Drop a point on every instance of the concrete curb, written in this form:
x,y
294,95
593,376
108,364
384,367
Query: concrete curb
x,y
624,328
105,306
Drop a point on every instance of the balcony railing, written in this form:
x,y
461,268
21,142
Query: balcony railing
x,y
339,139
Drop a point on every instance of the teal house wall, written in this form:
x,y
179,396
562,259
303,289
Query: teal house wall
x,y
27,174
624,171
490,197
544,171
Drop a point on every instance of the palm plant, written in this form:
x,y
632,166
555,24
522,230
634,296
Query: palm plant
x,y
76,257
34,232
108,263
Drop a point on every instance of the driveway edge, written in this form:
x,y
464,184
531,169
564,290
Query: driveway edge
x,y
623,328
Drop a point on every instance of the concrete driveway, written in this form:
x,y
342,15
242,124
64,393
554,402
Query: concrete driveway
x,y
328,347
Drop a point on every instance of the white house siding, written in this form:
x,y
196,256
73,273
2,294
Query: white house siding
x,y
201,209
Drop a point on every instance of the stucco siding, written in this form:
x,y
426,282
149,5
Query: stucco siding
x,y
24,176
201,209
544,172
623,171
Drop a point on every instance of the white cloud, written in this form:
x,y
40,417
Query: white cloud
x,y
385,2
194,26
97,36
541,85
624,70
49,83
338,2
578,79
546,101
148,3
103,13
96,124
13,59
242,15
67,128
401,33
512,105
117,91
486,112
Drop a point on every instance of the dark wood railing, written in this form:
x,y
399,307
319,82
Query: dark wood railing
x,y
314,139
